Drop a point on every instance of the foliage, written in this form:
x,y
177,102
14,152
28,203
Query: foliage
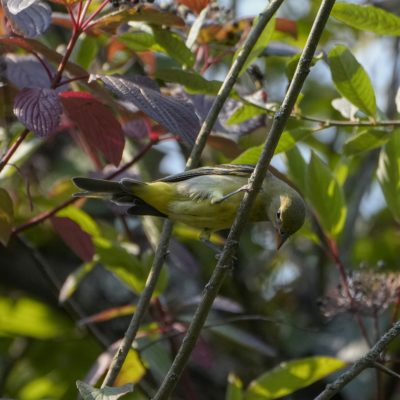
x,y
92,89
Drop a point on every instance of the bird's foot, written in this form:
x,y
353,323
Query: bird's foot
x,y
244,188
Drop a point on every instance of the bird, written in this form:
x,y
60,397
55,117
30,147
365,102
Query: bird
x,y
206,198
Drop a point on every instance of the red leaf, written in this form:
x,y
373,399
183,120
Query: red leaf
x,y
195,5
39,109
79,241
97,124
287,26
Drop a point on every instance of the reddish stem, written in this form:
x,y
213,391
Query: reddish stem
x,y
82,13
13,149
86,24
47,214
343,277
77,78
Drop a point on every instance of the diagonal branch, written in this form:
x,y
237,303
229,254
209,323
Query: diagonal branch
x,y
193,161
223,266
369,360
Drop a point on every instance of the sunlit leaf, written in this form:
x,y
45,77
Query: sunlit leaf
x,y
192,81
86,50
351,80
32,21
108,314
174,46
388,173
287,141
235,388
195,29
32,318
107,393
82,218
325,196
6,216
259,46
16,6
144,13
132,369
39,109
73,280
367,18
244,113
365,140
291,376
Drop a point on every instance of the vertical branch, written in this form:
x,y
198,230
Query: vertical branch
x,y
194,159
223,266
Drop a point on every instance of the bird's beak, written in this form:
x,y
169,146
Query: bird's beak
x,y
280,239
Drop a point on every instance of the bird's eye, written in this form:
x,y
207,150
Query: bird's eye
x,y
282,233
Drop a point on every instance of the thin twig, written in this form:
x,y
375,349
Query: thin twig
x,y
383,368
72,306
47,214
13,149
193,161
363,363
223,266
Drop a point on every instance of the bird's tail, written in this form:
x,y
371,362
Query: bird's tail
x,y
119,192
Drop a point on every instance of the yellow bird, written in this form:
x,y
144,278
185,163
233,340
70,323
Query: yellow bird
x,y
206,198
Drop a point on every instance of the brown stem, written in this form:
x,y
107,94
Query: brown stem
x,y
13,149
343,277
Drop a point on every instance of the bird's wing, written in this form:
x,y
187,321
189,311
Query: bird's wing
x,y
225,169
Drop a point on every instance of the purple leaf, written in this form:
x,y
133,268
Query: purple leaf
x,y
176,115
136,129
97,123
79,241
25,71
39,109
16,6
31,21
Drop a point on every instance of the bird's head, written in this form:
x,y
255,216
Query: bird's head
x,y
287,213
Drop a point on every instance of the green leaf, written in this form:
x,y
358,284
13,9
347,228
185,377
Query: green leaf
x,y
326,196
297,168
259,46
351,80
365,140
196,27
367,18
32,318
235,388
292,64
121,262
388,173
73,279
193,82
107,393
174,46
86,50
83,219
244,113
6,216
287,141
139,41
291,376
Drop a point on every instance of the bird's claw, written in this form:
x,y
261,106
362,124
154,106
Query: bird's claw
x,y
219,200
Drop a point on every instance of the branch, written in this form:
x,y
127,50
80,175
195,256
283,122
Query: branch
x,y
13,149
369,360
193,161
47,214
223,266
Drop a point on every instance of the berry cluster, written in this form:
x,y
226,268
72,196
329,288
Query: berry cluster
x,y
117,3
